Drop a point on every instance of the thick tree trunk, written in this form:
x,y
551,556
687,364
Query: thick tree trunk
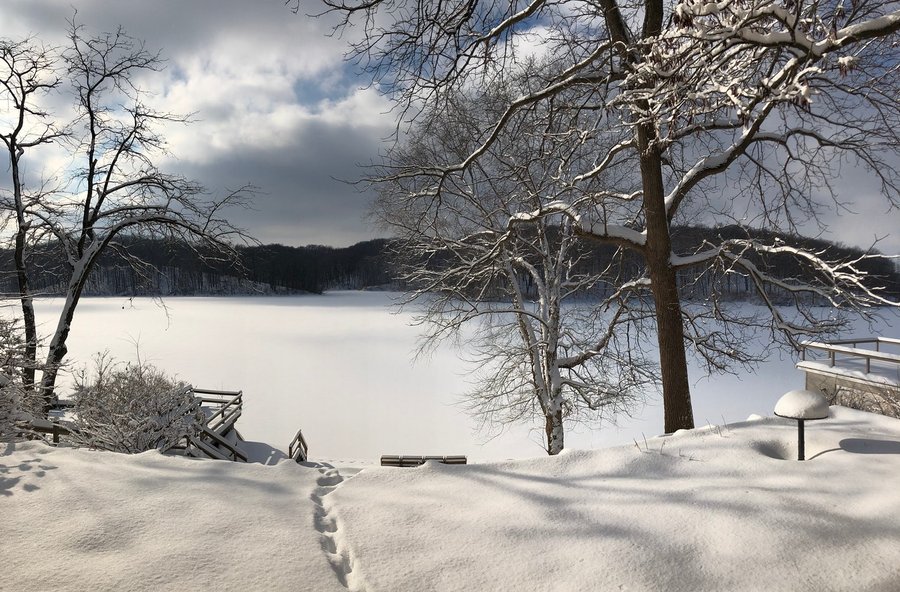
x,y
670,330
554,430
57,349
28,317
56,353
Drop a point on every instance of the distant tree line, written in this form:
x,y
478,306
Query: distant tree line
x,y
153,267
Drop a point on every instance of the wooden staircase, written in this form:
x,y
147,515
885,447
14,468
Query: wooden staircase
x,y
218,437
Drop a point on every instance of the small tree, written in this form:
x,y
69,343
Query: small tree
x,y
133,408
29,72
115,186
510,291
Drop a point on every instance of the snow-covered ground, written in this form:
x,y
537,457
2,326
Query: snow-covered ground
x,y
340,366
713,509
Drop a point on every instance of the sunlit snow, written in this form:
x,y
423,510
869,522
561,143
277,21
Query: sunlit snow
x,y
720,508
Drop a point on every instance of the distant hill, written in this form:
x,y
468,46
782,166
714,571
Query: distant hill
x,y
175,268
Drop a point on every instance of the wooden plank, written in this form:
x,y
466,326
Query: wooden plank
x,y
210,451
233,406
237,452
393,460
224,428
214,392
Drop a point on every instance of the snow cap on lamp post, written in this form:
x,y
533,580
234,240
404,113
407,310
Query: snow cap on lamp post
x,y
802,405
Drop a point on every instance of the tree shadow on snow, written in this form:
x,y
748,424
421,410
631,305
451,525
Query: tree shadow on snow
x,y
870,446
12,475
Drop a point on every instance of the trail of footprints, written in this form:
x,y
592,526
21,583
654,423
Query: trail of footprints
x,y
332,543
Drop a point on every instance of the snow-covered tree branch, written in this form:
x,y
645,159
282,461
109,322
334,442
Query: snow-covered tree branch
x,y
510,291
742,111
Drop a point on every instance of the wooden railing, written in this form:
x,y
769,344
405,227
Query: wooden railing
x,y
298,449
47,426
840,347
213,440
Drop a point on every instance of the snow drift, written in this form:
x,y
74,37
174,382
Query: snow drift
x,y
717,508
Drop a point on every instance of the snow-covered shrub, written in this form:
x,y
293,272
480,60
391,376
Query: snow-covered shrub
x,y
10,397
132,408
884,400
16,402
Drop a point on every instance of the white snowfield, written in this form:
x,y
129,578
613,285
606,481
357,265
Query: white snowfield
x,y
717,508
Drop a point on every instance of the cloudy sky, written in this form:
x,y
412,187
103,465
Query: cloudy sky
x,y
274,102
277,106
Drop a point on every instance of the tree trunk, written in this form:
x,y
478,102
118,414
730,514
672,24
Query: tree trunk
x,y
670,330
28,318
57,349
25,296
554,430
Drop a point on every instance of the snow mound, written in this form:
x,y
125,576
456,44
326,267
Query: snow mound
x,y
802,404
84,520
714,509
701,510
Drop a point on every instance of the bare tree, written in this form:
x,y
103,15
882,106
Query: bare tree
x,y
115,186
29,73
740,111
511,292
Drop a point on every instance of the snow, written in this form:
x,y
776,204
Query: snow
x,y
802,404
340,366
717,508
85,520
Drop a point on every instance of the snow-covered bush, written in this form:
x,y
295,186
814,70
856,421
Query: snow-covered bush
x,y
16,402
132,408
884,400
10,396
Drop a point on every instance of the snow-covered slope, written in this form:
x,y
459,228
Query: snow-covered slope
x,y
720,508
91,521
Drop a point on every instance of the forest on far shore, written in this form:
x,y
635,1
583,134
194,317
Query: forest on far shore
x,y
174,268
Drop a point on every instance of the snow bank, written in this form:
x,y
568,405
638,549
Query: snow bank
x,y
717,508
82,520
711,509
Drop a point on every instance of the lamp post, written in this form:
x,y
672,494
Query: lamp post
x,y
802,405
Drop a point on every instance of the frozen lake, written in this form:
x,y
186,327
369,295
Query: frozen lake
x,y
340,366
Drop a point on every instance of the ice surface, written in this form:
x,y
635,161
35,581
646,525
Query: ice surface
x,y
340,366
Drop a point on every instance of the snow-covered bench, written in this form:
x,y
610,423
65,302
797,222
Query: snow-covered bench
x,y
390,460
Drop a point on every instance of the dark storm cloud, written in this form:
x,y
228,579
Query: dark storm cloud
x,y
306,197
275,104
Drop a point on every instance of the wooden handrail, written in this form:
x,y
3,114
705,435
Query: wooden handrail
x,y
298,449
838,347
233,405
213,430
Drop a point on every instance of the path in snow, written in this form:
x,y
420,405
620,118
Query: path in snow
x,y
333,543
